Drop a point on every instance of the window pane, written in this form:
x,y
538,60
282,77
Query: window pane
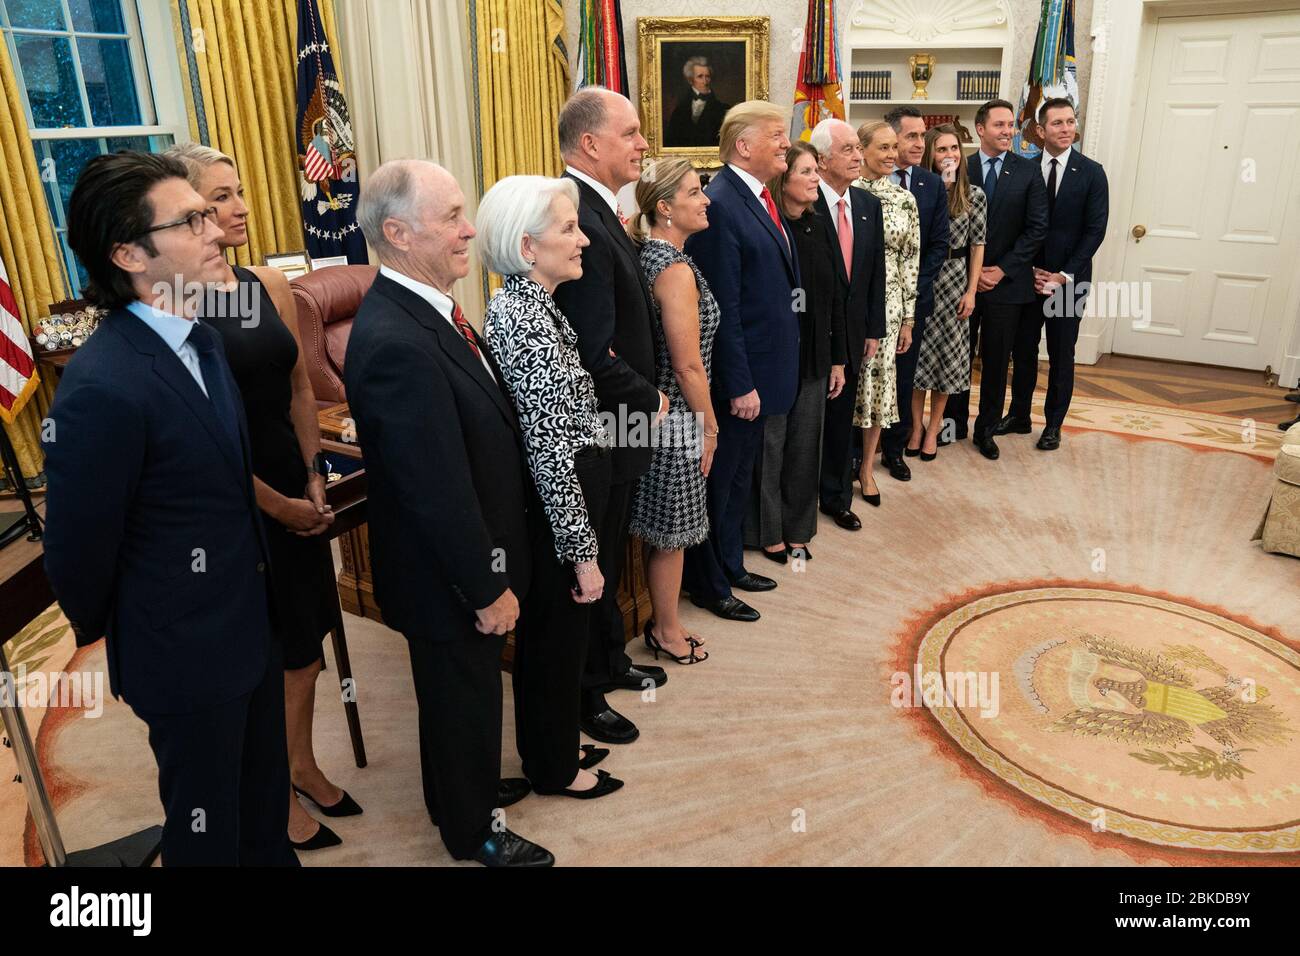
x,y
95,16
70,155
110,82
51,81
36,14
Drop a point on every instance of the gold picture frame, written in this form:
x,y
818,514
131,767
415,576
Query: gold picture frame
x,y
737,49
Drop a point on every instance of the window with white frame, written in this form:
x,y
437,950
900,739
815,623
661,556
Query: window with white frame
x,y
86,72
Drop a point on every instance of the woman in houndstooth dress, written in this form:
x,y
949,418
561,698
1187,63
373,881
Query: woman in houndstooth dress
x,y
943,367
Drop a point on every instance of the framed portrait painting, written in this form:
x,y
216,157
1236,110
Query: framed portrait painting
x,y
692,70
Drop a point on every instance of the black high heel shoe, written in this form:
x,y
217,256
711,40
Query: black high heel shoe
x,y
873,500
345,806
689,658
777,556
322,839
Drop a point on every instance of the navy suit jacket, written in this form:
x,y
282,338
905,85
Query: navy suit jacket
x,y
865,295
752,270
1077,222
932,203
153,537
1017,224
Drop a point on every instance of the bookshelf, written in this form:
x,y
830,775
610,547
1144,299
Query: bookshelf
x,y
961,35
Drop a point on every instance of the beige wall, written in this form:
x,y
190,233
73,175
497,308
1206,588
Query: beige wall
x,y
788,17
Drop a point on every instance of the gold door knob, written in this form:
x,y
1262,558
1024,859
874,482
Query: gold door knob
x,y
1139,232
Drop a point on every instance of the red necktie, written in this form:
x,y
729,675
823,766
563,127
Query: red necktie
x,y
466,330
766,196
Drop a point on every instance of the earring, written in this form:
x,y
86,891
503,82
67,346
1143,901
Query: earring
x,y
670,222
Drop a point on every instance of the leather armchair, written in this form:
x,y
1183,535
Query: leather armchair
x,y
327,301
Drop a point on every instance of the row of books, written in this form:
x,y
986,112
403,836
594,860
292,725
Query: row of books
x,y
978,84
870,84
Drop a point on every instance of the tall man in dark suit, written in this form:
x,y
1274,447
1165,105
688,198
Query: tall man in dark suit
x,y
610,308
855,223
932,204
1078,204
448,490
1005,297
749,261
153,537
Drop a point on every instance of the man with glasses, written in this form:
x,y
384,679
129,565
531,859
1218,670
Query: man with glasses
x,y
153,538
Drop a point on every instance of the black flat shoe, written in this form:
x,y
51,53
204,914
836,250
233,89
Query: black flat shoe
x,y
730,608
988,448
322,839
777,556
605,785
509,849
591,755
805,552
692,656
754,582
1013,426
635,676
609,727
345,806
845,519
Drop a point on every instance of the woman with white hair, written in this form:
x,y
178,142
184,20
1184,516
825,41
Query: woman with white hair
x,y
528,232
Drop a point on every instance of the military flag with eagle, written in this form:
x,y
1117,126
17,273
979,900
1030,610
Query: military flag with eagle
x,y
817,92
602,60
1052,73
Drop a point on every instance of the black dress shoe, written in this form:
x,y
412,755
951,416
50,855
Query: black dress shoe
x,y
635,676
345,806
896,467
1013,426
322,839
605,784
730,608
846,519
777,556
987,446
609,727
753,582
591,755
508,848
1050,439
510,790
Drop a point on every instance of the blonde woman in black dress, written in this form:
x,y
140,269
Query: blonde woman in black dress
x,y
288,476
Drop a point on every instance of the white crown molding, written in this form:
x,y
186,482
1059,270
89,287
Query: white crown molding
x,y
927,20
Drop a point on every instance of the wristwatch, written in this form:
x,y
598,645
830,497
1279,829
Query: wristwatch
x,y
320,466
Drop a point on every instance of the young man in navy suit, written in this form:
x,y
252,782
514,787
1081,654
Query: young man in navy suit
x,y
932,204
1017,226
1078,205
153,538
748,258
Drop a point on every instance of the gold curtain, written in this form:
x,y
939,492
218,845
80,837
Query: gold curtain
x,y
29,250
245,63
523,80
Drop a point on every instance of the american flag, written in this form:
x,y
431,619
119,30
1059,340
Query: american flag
x,y
18,378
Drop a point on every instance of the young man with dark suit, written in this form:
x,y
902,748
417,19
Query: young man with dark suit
x,y
1005,297
449,542
610,308
856,226
932,204
749,260
1078,208
153,537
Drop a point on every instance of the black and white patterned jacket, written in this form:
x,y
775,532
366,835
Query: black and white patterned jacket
x,y
536,349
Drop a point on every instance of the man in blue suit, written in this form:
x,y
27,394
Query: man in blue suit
x,y
1078,208
153,537
748,258
932,203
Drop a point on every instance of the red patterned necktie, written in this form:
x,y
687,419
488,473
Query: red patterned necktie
x,y
466,330
766,196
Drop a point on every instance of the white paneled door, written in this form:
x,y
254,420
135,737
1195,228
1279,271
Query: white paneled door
x,y
1217,199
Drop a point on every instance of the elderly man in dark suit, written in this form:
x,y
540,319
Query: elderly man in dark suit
x,y
610,309
153,536
1005,296
449,539
697,118
1078,208
932,204
855,222
747,257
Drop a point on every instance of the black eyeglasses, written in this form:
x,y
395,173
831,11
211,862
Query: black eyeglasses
x,y
194,220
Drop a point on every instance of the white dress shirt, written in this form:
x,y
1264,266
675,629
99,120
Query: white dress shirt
x,y
755,185
1061,162
175,331
440,301
601,188
833,203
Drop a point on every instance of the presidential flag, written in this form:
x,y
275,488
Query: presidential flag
x,y
817,92
1052,73
18,378
326,148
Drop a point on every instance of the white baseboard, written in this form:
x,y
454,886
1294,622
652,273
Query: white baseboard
x,y
1289,374
1088,349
